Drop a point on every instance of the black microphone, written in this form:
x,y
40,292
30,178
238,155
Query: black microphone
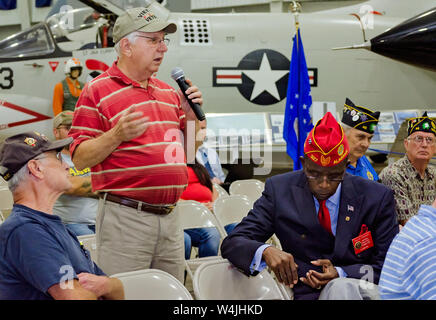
x,y
179,76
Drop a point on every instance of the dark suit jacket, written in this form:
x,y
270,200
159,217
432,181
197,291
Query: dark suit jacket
x,y
287,209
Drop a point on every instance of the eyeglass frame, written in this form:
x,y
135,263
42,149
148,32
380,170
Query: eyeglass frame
x,y
320,178
309,169
417,138
58,156
166,41
67,127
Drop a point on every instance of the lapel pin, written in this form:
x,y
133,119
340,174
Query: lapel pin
x,y
347,218
350,208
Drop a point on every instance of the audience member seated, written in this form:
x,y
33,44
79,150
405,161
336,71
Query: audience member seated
x,y
409,268
76,207
411,178
40,258
359,124
335,228
200,189
209,158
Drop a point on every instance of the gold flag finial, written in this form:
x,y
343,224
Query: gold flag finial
x,y
295,8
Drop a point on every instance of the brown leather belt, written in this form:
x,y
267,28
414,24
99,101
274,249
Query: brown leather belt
x,y
146,207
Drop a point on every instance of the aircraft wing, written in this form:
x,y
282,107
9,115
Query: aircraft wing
x,y
104,7
115,7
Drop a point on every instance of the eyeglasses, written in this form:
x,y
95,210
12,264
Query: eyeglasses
x,y
68,127
420,140
156,41
58,156
331,178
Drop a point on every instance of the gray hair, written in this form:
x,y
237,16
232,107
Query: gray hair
x,y
19,177
132,36
345,127
22,175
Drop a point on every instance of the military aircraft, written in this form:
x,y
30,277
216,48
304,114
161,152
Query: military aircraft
x,y
239,60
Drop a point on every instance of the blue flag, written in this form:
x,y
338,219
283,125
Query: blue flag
x,y
297,122
8,4
42,3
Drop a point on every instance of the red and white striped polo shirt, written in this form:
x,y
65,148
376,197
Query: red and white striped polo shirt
x,y
150,168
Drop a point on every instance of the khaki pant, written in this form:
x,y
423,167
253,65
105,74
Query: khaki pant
x,y
349,289
128,240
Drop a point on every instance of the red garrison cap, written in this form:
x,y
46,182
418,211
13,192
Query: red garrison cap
x,y
326,144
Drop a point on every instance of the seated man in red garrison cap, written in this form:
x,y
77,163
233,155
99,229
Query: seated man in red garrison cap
x,y
334,228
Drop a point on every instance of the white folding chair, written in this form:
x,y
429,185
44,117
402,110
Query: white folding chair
x,y
90,243
231,209
220,280
6,199
252,188
152,284
221,191
193,214
275,241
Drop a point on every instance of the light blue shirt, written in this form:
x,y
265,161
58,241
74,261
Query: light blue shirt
x,y
332,203
204,154
363,169
409,270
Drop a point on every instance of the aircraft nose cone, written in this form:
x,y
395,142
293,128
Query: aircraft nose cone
x,y
412,41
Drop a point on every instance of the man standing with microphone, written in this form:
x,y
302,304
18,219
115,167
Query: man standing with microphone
x,y
127,128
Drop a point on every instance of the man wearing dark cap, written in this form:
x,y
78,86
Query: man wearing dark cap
x,y
411,178
40,259
359,125
128,127
334,228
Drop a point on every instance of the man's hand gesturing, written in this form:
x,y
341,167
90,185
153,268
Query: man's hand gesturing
x,y
131,124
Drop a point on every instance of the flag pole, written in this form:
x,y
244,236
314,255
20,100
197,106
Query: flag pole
x,y
295,8
297,120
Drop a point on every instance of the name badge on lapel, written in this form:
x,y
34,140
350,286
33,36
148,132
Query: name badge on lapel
x,y
363,241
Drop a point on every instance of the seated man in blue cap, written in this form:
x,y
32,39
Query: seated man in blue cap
x,y
40,258
359,125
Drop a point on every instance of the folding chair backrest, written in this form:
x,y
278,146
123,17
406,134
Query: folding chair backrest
x,y
252,188
152,284
6,199
221,191
193,214
231,209
219,280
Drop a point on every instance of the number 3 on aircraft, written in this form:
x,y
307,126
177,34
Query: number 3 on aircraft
x,y
6,78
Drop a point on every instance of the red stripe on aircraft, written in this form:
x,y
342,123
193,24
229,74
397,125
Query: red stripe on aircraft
x,y
93,64
38,116
228,76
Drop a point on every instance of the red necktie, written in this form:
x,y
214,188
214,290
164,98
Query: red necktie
x,y
324,216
